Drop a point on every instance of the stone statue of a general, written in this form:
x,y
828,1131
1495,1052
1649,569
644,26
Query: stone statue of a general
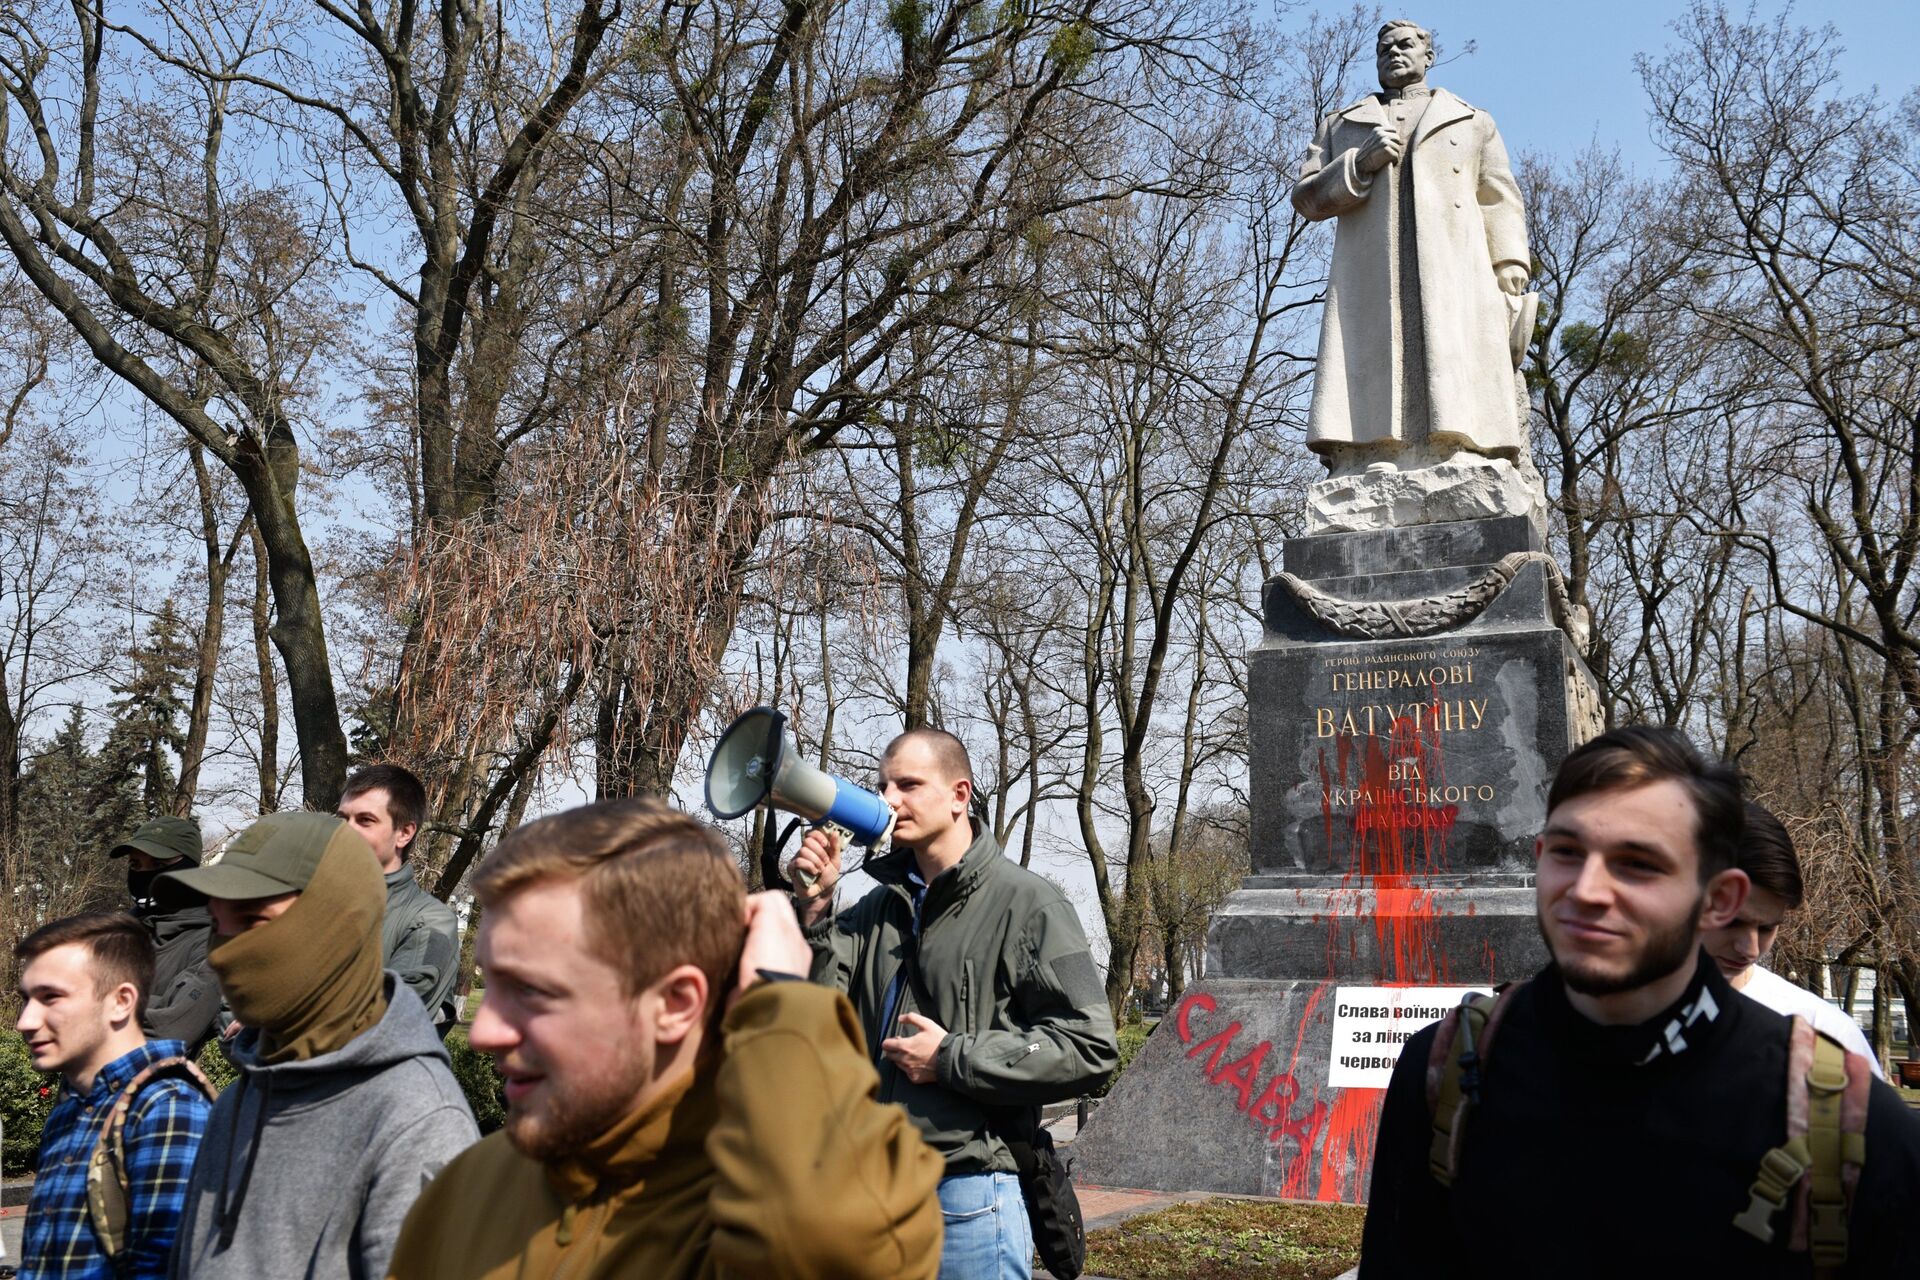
x,y
1427,312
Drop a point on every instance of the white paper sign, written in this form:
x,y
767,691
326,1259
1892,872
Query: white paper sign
x,y
1371,1023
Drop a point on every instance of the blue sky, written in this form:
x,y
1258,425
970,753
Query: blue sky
x,y
1558,75
1555,75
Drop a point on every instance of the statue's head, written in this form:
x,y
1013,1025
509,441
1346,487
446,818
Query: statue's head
x,y
1402,54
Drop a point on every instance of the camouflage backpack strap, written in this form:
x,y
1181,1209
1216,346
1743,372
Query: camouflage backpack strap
x,y
1818,1167
107,1207
1455,1060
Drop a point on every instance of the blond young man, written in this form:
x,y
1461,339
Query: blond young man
x,y
678,1104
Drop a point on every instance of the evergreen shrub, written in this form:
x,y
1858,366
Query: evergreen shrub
x,y
26,1096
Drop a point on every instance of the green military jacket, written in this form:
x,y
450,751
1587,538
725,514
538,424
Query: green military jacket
x,y
420,940
1002,963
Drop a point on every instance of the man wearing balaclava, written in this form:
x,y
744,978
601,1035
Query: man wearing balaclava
x,y
185,999
346,1104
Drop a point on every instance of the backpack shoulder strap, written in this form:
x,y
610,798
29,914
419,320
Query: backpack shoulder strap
x,y
1455,1060
107,1182
1818,1166
1836,1088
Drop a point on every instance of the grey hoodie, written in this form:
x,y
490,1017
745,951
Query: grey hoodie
x,y
308,1168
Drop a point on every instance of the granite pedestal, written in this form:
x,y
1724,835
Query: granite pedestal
x,y
1397,783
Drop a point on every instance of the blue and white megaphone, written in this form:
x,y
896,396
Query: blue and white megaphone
x,y
755,763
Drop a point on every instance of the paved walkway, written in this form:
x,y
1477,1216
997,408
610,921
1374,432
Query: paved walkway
x,y
13,1220
1110,1206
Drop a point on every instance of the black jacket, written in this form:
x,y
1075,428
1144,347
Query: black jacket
x,y
1588,1157
185,999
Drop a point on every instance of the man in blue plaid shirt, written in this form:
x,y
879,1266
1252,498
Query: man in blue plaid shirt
x,y
83,983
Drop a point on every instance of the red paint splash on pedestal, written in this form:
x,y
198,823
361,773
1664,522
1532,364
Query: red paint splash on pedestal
x,y
1347,1156
1390,837
1387,822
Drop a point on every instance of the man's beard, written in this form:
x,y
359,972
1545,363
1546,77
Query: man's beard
x,y
1664,952
567,1120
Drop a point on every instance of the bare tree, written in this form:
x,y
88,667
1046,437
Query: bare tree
x,y
134,224
49,547
1802,207
1190,305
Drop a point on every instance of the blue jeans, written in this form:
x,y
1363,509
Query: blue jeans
x,y
987,1233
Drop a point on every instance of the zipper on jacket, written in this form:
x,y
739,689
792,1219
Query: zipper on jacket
x,y
574,1231
899,997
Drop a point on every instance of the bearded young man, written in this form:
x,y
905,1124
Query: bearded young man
x,y
1631,1093
680,1103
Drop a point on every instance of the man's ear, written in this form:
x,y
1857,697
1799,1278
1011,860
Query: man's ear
x,y
403,837
1726,894
683,997
123,1003
963,795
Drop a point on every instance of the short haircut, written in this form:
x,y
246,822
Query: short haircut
x,y
1767,856
949,753
1426,36
659,888
406,798
1640,755
117,944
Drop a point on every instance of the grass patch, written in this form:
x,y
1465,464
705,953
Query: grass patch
x,y
1226,1239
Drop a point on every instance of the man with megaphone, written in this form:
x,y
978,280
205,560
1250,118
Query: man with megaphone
x,y
979,997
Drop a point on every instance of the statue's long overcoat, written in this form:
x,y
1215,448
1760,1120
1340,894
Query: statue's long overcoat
x,y
1468,217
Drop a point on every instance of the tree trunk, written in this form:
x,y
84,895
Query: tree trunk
x,y
647,728
469,939
262,617
1907,975
1174,958
9,767
193,747
512,786
299,633
1882,1037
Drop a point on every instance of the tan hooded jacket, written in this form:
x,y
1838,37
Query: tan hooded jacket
x,y
778,1163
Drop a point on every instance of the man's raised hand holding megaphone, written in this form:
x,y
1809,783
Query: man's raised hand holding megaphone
x,y
815,871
